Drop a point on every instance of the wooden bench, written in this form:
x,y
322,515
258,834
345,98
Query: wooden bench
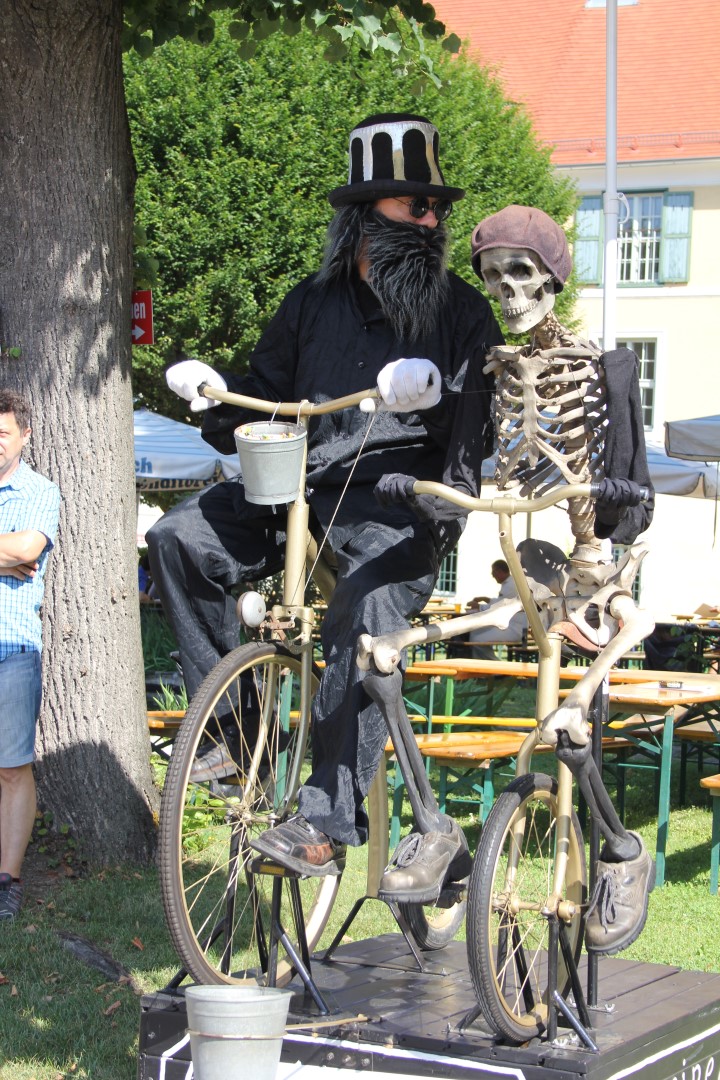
x,y
517,723
712,784
163,725
475,752
484,748
466,764
695,739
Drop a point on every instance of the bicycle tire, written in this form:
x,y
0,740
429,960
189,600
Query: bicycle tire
x,y
510,883
217,910
431,926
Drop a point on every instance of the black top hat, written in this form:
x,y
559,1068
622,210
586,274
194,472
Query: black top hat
x,y
393,154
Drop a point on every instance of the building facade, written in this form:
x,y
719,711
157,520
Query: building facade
x,y
551,58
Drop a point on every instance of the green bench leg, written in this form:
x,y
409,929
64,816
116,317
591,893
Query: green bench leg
x,y
397,801
488,791
715,848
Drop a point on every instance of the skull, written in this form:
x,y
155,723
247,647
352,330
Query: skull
x,y
519,279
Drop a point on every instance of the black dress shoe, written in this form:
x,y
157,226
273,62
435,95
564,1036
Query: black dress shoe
x,y
217,760
298,845
225,754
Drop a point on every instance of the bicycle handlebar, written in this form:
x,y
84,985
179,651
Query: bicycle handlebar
x,y
511,504
287,408
503,504
508,504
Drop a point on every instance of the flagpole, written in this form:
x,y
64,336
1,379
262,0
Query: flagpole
x,y
610,198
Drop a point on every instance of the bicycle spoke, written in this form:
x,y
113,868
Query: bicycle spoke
x,y
242,739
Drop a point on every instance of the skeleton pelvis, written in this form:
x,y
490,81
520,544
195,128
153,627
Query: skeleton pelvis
x,y
573,597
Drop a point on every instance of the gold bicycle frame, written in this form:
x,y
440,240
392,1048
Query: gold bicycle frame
x,y
301,553
549,662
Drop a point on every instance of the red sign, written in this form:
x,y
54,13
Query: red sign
x,y
142,318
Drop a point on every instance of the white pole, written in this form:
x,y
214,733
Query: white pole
x,y
610,199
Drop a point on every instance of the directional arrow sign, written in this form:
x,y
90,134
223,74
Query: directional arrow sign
x,y
142,318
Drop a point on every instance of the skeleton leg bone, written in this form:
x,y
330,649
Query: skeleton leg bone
x,y
386,692
619,843
436,851
571,716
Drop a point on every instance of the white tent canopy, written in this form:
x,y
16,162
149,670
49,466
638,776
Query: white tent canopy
x,y
669,476
695,440
172,456
674,476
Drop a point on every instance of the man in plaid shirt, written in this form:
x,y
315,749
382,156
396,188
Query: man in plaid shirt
x,y
29,507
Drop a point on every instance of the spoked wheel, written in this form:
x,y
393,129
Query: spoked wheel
x,y
510,885
217,909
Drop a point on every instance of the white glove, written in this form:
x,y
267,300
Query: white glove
x,y
185,377
409,385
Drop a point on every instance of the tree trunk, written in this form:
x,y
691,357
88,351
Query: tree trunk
x,y
67,178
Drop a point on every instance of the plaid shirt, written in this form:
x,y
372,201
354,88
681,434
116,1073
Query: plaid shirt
x,y
27,501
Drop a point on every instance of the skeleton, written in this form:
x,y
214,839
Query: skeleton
x,y
551,420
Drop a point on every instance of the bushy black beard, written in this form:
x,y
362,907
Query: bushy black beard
x,y
408,273
408,265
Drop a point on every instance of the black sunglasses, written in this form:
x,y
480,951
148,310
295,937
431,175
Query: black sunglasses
x,y
419,206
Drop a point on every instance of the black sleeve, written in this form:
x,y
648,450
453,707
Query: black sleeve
x,y
473,432
625,455
476,332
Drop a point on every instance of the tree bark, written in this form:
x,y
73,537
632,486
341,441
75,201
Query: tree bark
x,y
67,180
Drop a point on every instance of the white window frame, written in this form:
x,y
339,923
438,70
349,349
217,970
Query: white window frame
x,y
670,244
656,431
448,569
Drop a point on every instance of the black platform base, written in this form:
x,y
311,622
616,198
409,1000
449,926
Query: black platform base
x,y
389,1019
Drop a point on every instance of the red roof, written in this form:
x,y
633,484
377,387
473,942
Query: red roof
x,y
550,55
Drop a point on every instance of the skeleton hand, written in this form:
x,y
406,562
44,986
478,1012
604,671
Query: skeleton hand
x,y
408,385
397,488
612,497
566,718
185,377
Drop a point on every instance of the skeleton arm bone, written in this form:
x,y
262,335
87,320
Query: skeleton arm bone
x,y
571,715
385,651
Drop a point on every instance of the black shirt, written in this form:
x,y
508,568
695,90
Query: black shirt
x,y
329,340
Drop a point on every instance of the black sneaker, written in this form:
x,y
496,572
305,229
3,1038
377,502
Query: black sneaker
x,y
11,894
217,760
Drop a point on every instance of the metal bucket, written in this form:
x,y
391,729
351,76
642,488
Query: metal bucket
x,y
236,1032
271,457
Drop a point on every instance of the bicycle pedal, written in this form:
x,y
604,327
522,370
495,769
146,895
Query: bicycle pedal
x,y
452,893
262,865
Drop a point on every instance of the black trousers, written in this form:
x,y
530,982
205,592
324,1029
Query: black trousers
x,y
386,574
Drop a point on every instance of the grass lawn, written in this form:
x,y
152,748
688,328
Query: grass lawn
x,y
61,1018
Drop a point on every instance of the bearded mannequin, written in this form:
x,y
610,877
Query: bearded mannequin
x,y
383,310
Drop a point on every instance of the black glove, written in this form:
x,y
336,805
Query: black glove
x,y
397,489
612,497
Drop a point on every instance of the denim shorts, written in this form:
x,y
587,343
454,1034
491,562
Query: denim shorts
x,y
20,694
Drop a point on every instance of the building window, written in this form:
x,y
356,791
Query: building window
x,y
653,244
447,578
639,240
646,352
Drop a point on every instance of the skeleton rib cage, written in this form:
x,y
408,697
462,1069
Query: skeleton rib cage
x,y
550,418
